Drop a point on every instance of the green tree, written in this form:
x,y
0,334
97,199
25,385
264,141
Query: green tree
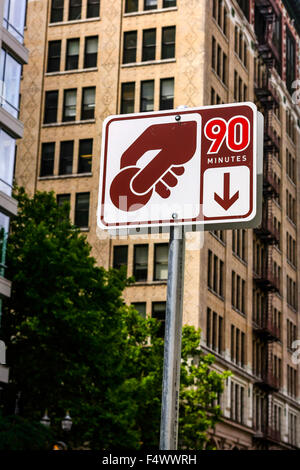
x,y
74,345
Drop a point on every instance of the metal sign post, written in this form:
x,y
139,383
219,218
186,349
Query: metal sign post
x,y
172,348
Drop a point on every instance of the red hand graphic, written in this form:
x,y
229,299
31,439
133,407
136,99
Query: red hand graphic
x,y
132,187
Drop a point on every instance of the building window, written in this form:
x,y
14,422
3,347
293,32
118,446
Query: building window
x,y
131,6
91,52
245,7
88,103
57,11
127,98
141,308
75,9
47,161
149,44
140,262
214,331
168,42
292,429
69,110
66,157
215,274
169,3
291,381
51,102
62,199
290,61
219,61
72,57
85,156
14,17
237,402
54,48
10,76
147,95
7,161
161,261
237,347
7,146
159,312
238,292
166,93
239,243
291,333
82,210
93,9
291,295
150,4
120,256
129,47
290,166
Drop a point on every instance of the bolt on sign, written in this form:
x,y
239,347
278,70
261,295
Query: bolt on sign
x,y
191,166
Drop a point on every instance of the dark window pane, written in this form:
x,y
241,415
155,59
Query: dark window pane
x,y
54,48
168,43
166,93
149,43
129,48
91,52
290,61
51,100
169,3
93,8
88,103
140,307
140,268
131,6
161,262
69,111
150,4
85,156
72,56
62,199
75,9
120,256
82,209
66,157
159,312
57,11
47,162
147,95
127,98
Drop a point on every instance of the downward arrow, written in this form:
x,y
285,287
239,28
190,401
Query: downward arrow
x,y
227,201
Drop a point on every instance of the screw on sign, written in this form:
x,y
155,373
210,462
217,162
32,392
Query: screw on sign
x,y
199,163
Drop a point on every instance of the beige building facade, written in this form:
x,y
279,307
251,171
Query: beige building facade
x,y
90,60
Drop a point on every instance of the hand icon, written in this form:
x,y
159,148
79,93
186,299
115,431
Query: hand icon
x,y
133,187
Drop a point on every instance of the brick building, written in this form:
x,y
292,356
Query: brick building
x,y
90,60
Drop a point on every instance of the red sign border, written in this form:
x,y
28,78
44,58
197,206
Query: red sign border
x,y
196,220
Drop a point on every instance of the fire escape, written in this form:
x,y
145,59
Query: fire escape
x,y
266,278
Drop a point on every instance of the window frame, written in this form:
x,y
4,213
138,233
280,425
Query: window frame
x,y
45,161
87,114
76,214
65,117
48,109
135,270
165,46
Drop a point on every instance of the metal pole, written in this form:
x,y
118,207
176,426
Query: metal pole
x,y
172,346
